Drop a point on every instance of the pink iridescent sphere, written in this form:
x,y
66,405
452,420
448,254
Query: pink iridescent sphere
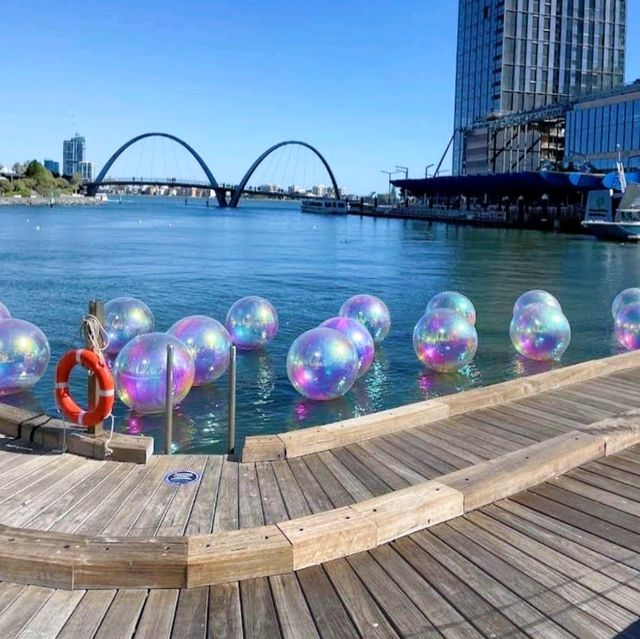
x,y
322,364
370,311
124,319
627,326
4,312
24,355
360,338
540,332
252,323
628,296
444,340
454,301
140,372
209,344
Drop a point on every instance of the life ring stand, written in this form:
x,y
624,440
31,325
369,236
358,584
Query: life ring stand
x,y
106,387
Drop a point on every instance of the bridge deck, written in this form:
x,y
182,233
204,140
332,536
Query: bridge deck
x,y
560,560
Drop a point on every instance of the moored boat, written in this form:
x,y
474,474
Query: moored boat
x,y
323,205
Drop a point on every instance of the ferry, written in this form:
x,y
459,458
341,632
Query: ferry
x,y
323,205
614,216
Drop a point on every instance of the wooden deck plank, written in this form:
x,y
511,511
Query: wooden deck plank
x,y
156,620
335,491
50,619
91,514
371,481
441,459
345,477
86,495
501,441
16,616
572,549
87,616
596,581
191,614
309,486
224,611
612,615
518,611
546,601
454,608
259,616
453,444
405,460
122,616
204,505
142,492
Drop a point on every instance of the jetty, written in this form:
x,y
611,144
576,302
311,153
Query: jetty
x,y
506,511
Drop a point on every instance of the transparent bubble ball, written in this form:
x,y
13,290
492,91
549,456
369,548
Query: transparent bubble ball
x,y
140,372
252,323
359,337
4,312
628,296
540,332
370,311
444,340
208,342
627,326
456,302
536,296
24,355
322,364
124,319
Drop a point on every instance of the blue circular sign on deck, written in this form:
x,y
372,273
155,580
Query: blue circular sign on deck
x,y
182,477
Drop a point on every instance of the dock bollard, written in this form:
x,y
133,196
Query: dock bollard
x,y
231,419
168,424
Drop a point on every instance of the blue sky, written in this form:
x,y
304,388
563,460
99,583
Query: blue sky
x,y
370,83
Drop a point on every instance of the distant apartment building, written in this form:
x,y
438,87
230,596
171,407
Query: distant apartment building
x,y
85,170
320,190
52,166
528,56
73,153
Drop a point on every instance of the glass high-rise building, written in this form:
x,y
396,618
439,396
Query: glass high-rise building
x,y
73,153
520,55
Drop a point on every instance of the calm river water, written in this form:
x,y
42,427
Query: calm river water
x,y
183,260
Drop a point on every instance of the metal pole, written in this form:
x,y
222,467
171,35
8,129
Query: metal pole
x,y
168,424
231,423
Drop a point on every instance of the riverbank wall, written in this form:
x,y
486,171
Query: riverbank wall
x,y
61,200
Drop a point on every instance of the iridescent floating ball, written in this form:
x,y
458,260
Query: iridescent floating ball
x,y
322,364
140,372
628,296
252,322
124,319
360,338
444,341
540,332
370,311
535,296
209,344
627,326
4,312
24,355
456,302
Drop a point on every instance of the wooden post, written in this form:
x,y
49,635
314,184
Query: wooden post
x,y
96,308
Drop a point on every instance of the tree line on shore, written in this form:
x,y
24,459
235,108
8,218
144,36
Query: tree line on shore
x,y
35,179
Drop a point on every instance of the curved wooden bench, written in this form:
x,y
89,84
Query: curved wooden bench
x,y
351,431
73,561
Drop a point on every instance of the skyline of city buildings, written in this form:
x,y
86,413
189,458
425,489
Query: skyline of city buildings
x,y
52,166
73,153
518,56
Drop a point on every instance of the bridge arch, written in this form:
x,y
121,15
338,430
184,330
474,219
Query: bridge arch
x,y
243,183
105,170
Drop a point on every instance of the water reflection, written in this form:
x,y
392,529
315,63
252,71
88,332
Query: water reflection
x,y
433,384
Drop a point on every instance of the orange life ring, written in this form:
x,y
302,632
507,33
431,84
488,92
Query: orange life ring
x,y
105,395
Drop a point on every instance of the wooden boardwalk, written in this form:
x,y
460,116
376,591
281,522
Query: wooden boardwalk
x,y
559,560
71,494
